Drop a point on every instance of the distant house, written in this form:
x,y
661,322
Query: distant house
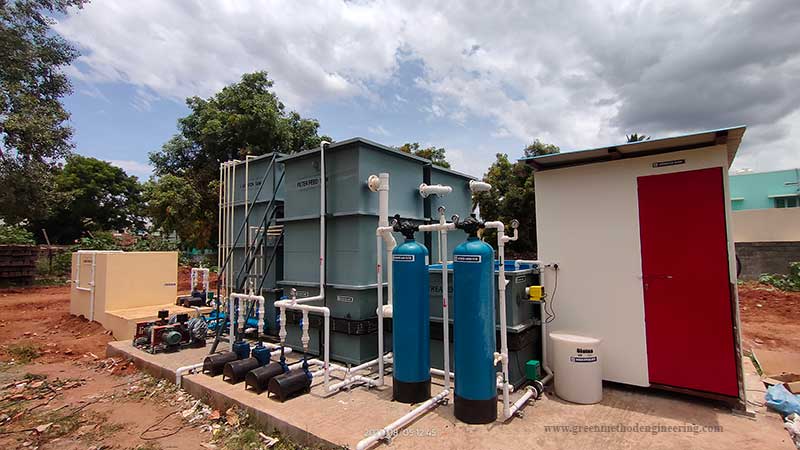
x,y
766,220
764,190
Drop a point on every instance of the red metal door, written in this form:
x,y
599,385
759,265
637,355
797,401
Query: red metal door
x,y
687,297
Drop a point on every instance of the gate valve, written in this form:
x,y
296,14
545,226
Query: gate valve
x,y
470,225
405,227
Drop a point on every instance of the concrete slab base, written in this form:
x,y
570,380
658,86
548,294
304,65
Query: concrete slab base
x,y
626,418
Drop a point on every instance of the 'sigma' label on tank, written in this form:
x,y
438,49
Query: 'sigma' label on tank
x,y
468,258
403,258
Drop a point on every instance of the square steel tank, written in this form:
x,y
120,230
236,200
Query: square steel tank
x,y
348,165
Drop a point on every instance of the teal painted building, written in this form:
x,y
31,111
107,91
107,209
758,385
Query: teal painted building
x,y
763,190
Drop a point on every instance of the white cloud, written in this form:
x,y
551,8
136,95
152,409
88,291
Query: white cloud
x,y
379,130
140,169
577,76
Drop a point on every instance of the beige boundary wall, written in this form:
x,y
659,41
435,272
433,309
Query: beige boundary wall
x,y
766,225
123,281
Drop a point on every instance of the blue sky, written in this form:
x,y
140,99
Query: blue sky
x,y
440,74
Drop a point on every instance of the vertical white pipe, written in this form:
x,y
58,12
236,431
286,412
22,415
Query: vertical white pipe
x,y
380,307
219,219
261,316
92,286
445,300
233,224
501,292
383,221
231,330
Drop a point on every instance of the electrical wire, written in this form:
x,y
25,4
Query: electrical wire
x,y
551,314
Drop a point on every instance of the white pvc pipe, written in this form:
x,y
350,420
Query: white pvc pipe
x,y
388,431
479,186
426,190
440,373
501,292
181,371
529,392
231,309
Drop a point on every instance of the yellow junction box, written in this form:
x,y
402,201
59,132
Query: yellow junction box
x,y
535,293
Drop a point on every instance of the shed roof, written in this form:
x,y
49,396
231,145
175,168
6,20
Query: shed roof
x,y
730,137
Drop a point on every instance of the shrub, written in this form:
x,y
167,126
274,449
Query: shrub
x,y
15,235
789,282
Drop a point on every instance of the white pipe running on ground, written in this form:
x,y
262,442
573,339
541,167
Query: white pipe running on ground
x,y
388,431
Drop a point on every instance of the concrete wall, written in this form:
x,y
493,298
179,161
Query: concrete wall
x,y
124,280
766,225
588,223
766,257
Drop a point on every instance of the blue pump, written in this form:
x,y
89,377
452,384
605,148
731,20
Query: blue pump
x,y
242,349
261,353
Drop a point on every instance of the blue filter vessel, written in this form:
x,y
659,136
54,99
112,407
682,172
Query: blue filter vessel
x,y
474,331
411,313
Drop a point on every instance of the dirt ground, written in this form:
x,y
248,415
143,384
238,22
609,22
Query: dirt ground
x,y
57,389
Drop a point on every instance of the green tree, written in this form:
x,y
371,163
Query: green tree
x,y
244,118
174,205
33,131
636,137
513,195
97,196
435,155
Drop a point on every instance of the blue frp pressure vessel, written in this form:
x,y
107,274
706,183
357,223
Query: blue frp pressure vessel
x,y
474,332
411,328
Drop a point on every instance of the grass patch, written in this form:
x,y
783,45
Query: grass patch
x,y
24,352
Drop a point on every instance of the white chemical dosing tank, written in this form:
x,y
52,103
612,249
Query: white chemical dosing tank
x,y
578,368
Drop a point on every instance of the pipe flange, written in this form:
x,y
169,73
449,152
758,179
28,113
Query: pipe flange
x,y
374,183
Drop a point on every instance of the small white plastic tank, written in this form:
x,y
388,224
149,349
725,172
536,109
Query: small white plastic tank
x,y
577,367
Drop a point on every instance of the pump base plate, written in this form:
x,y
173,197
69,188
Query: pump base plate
x,y
413,392
475,411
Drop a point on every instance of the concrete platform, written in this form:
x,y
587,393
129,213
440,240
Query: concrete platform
x,y
626,418
122,322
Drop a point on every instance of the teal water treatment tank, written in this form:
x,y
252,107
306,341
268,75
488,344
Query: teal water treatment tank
x,y
411,381
473,328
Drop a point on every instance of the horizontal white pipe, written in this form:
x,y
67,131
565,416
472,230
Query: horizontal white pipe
x,y
426,190
301,307
351,380
479,186
440,373
437,227
389,430
181,371
529,392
